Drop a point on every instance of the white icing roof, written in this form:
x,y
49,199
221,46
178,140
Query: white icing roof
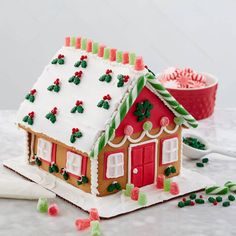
x,y
90,90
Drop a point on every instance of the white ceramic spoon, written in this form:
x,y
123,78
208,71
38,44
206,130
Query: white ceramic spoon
x,y
194,154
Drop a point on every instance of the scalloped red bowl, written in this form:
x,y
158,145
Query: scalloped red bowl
x,y
199,102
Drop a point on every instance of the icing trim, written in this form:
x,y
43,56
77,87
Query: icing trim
x,y
31,146
142,135
94,176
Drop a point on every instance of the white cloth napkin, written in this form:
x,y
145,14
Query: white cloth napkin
x,y
16,188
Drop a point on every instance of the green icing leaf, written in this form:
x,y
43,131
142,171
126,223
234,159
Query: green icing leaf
x,y
27,96
120,77
71,79
25,119
73,110
80,109
53,118
72,138
120,83
61,61
50,88
106,105
108,78
83,64
30,121
78,135
76,80
111,188
56,88
102,78
100,104
55,168
31,98
77,64
85,179
54,61
48,116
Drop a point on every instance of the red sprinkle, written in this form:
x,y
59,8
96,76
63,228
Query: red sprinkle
x,y
107,97
75,130
192,203
184,199
31,114
54,111
57,82
200,196
60,56
78,73
108,71
126,78
33,91
78,103
215,203
83,57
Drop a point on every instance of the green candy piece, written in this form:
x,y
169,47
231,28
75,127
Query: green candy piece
x,y
187,202
179,120
132,58
102,78
100,104
214,190
79,182
199,201
108,78
231,197
72,138
30,121
128,190
53,119
74,109
77,64
195,143
65,176
51,87
119,56
193,196
72,41
80,109
120,83
42,205
83,64
106,53
95,48
55,168
111,188
219,199
25,119
38,161
205,160
181,204
61,61
199,164
31,98
147,125
56,88
211,199
142,199
167,183
85,179
106,105
167,171
173,169
226,204
117,186
95,228
50,169
76,80
54,61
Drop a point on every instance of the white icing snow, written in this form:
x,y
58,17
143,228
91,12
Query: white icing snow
x,y
90,90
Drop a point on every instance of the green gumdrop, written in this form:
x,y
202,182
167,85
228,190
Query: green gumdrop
x,y
117,186
173,169
48,116
132,58
179,120
128,190
219,199
120,77
226,204
72,138
72,41
50,169
199,201
106,53
79,182
142,199
119,56
56,88
187,203
95,228
231,197
30,121
65,176
71,79
111,188
181,204
84,44
78,135
120,83
167,183
38,162
27,96
77,64
102,78
80,109
55,168
42,205
100,104
74,109
61,61
95,48
211,199
106,105
147,125
83,64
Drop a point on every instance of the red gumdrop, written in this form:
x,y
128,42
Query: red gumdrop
x,y
89,46
135,193
160,181
174,188
93,214
112,54
139,64
82,223
53,210
78,42
125,58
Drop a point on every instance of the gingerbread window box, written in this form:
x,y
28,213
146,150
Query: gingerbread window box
x,y
138,118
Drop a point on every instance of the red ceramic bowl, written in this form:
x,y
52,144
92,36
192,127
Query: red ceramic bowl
x,y
199,102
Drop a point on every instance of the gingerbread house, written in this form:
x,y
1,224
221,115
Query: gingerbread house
x,y
98,119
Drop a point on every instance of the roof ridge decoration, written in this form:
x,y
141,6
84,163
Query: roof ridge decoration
x,y
111,54
123,109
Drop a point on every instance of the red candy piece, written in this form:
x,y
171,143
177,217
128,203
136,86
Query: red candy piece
x,y
112,54
57,82
139,64
75,130
78,42
174,188
54,111
78,103
93,214
215,203
67,41
200,196
89,46
192,203
53,210
33,91
60,56
108,71
82,223
135,193
31,114
107,97
160,181
125,58
101,50
78,73
184,199
83,58
126,78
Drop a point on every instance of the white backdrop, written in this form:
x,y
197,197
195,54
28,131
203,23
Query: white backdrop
x,y
197,33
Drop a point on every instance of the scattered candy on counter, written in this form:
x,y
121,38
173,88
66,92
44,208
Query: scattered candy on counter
x,y
53,210
216,190
182,78
95,228
82,224
231,186
226,204
93,214
204,161
194,142
42,205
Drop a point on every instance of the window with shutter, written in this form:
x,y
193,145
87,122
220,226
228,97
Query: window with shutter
x,y
74,163
169,150
115,165
44,150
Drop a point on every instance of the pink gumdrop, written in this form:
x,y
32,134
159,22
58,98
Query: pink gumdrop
x,y
160,181
164,121
82,223
174,188
135,193
139,65
128,130
93,214
53,210
125,58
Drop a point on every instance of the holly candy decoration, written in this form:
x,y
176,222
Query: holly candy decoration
x,y
76,77
143,110
31,95
52,115
60,60
107,76
82,62
122,79
105,102
78,107
75,134
53,168
29,118
83,180
64,174
55,86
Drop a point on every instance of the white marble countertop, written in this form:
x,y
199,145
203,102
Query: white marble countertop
x,y
20,216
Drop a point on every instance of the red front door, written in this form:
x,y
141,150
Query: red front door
x,y
143,164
